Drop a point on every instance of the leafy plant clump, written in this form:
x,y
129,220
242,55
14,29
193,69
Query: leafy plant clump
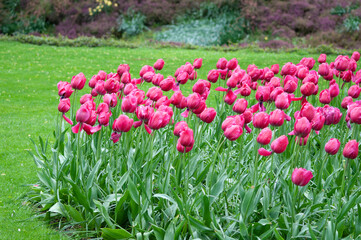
x,y
208,26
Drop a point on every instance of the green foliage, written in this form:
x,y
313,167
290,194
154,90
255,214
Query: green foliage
x,y
131,24
352,23
209,25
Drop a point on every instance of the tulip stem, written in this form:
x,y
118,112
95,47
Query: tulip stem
x,y
345,170
99,144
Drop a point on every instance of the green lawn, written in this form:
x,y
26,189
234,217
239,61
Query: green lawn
x,y
28,104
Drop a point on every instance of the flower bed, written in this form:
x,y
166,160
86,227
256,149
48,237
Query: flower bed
x,y
139,159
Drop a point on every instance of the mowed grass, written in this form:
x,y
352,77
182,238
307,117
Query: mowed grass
x,y
28,104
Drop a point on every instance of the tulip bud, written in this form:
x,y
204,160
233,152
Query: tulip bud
x,y
213,76
197,64
283,101
157,78
334,90
308,111
232,64
280,144
122,124
354,91
346,101
186,137
332,146
83,114
308,88
325,97
240,106
341,63
182,78
261,120
277,118
179,128
182,149
145,69
351,149
99,88
355,56
355,115
302,127
230,97
122,69
275,68
167,84
64,105
301,176
208,115
222,63
233,132
149,76
324,69
159,64
318,121
129,104
322,58
265,136
154,93
78,81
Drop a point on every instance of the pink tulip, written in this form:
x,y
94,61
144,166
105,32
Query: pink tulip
x,y
302,127
351,149
122,69
322,58
149,76
283,101
78,81
261,120
341,63
232,64
145,69
280,144
64,105
193,101
301,176
265,136
182,149
159,64
158,120
355,56
99,88
332,146
64,89
186,137
334,90
154,93
346,101
157,78
275,68
111,85
213,76
325,97
197,64
208,115
222,63
240,106
318,121
354,91
233,132
167,84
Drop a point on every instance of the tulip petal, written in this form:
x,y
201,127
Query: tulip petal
x,y
137,124
185,113
115,137
147,129
248,129
67,119
296,98
255,108
175,87
221,89
75,129
95,129
264,152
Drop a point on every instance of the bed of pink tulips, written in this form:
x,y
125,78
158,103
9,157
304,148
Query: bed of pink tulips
x,y
250,153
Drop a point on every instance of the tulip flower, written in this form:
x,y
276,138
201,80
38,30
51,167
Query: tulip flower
x,y
154,93
240,106
213,76
341,63
149,76
222,63
78,81
208,115
158,65
356,56
157,79
322,58
182,149
233,132
355,115
186,138
64,89
302,127
301,176
197,64
193,101
265,136
351,149
278,146
167,84
122,69
82,116
158,120
325,97
354,91
332,146
122,124
261,120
